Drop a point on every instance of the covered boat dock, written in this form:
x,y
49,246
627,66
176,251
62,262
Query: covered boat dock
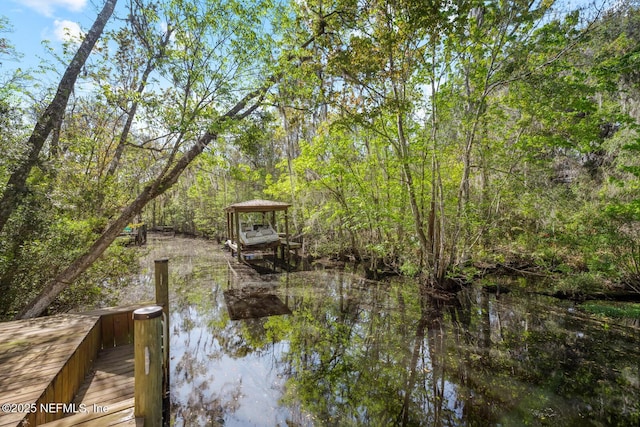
x,y
250,240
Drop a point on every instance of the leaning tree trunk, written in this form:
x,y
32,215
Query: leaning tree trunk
x,y
158,187
16,187
161,184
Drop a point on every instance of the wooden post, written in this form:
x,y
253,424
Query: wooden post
x,y
275,248
153,215
239,245
162,299
230,230
286,233
147,327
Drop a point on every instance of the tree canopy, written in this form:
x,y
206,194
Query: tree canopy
x,y
425,138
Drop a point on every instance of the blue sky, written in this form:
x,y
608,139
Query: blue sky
x,y
33,21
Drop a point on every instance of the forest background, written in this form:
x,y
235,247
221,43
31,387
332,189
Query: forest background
x,y
435,139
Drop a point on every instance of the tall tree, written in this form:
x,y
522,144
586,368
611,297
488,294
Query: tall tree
x,y
217,53
51,118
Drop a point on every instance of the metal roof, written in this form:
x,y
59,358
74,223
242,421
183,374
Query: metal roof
x,y
257,205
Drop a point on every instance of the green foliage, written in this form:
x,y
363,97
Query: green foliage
x,y
400,134
171,68
43,243
102,283
7,49
579,284
614,310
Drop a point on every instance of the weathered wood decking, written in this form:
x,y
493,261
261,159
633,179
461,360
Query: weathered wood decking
x,y
110,380
43,360
284,248
47,360
107,393
120,414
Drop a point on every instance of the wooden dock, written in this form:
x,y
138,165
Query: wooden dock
x,y
71,369
281,253
110,381
106,397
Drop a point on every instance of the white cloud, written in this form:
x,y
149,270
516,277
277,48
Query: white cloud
x,y
67,31
47,7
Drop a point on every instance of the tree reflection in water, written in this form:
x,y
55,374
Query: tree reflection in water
x,y
355,352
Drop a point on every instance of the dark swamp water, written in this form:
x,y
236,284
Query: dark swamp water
x,y
329,348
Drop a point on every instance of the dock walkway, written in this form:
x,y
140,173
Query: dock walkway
x,y
107,393
48,364
42,361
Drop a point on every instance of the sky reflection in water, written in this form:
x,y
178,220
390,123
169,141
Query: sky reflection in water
x,y
355,352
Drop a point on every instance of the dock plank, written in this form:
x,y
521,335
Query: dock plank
x,y
120,414
32,354
46,359
108,387
107,394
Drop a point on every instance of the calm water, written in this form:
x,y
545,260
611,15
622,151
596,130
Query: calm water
x,y
351,352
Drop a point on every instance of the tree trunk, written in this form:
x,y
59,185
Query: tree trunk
x,y
158,187
51,118
131,112
161,184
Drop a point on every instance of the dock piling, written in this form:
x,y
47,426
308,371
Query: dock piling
x,y
148,364
162,299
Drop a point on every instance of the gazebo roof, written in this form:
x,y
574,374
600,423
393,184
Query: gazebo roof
x,y
257,205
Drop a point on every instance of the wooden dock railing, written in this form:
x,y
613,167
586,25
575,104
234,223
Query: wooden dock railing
x,y
110,327
65,347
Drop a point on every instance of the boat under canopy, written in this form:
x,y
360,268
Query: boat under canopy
x,y
246,235
257,234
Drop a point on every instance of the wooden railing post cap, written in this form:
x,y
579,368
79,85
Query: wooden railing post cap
x,y
162,260
146,313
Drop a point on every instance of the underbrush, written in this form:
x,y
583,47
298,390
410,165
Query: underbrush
x,y
612,309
